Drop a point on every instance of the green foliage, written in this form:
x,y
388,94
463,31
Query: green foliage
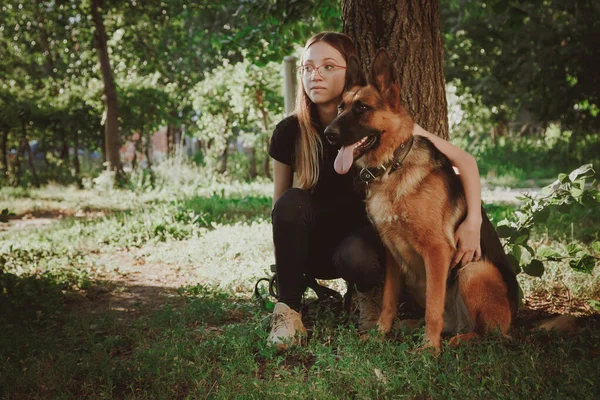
x,y
219,209
531,61
237,101
560,197
80,321
509,159
51,89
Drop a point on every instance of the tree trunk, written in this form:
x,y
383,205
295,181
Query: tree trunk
x,y
410,31
136,146
265,121
147,145
76,165
172,140
252,171
169,144
17,166
3,153
111,126
64,152
43,147
267,163
223,167
27,148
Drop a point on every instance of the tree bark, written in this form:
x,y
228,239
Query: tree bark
x,y
169,135
111,126
267,163
136,148
224,155
16,181
64,152
3,153
76,164
252,170
147,145
27,148
43,147
265,121
410,31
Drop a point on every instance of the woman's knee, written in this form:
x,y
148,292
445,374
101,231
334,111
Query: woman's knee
x,y
359,260
293,206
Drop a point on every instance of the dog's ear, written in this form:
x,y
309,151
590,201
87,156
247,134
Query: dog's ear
x,y
384,77
354,74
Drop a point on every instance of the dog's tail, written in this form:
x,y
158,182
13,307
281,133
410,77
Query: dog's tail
x,y
562,323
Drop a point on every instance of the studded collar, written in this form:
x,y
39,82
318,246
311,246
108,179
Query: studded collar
x,y
369,174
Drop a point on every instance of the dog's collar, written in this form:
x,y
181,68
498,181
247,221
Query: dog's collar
x,y
368,174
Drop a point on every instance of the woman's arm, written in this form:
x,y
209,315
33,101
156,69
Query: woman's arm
x,y
283,178
467,235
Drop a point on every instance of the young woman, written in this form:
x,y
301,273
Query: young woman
x,y
320,227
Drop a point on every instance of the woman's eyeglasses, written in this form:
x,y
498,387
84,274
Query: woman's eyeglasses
x,y
324,70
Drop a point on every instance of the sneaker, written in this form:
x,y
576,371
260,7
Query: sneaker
x,y
369,307
286,327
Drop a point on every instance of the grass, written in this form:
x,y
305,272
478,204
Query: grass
x,y
153,299
212,344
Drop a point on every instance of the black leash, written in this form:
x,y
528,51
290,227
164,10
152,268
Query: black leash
x,y
323,293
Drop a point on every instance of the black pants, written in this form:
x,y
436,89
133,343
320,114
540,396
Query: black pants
x,y
314,243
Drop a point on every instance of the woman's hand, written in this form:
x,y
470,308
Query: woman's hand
x,y
467,238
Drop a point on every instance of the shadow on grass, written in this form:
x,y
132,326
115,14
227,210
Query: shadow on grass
x,y
203,342
110,341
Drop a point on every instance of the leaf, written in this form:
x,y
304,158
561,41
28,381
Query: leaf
x,y
585,171
584,264
379,375
574,248
529,249
548,253
547,190
596,246
541,216
576,192
534,268
565,208
522,238
516,252
563,178
505,231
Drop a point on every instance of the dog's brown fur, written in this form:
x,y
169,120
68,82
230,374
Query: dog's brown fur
x,y
416,210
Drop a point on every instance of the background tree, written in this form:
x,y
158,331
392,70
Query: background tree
x,y
410,31
534,62
238,101
111,123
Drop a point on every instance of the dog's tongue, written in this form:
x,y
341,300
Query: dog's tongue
x,y
344,159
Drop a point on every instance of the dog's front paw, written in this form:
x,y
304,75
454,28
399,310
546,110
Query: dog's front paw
x,y
384,326
432,347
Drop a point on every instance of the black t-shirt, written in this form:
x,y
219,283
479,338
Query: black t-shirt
x,y
335,195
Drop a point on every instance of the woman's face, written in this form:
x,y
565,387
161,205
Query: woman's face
x,y
324,78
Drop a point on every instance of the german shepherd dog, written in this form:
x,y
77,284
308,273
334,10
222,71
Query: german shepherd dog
x,y
416,202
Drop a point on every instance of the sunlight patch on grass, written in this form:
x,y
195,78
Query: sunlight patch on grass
x,y
228,256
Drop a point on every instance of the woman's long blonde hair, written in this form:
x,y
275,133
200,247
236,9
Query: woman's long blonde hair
x,y
309,148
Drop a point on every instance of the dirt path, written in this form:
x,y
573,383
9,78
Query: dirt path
x,y
132,287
